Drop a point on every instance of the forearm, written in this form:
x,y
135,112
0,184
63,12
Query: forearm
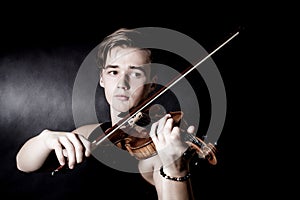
x,y
175,184
177,190
33,154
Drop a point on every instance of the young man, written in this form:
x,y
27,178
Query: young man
x,y
125,74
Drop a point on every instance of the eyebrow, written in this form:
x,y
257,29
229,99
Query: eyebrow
x,y
111,66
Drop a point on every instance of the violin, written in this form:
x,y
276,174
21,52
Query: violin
x,y
139,143
125,135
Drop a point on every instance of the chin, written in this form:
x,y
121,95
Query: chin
x,y
122,109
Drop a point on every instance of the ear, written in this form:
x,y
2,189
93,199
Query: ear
x,y
101,82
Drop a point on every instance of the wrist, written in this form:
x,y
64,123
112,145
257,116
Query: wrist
x,y
176,169
180,166
43,138
179,177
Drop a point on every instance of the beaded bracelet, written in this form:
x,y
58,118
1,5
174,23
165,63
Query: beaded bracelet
x,y
179,179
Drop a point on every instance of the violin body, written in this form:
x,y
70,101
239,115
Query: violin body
x,y
139,147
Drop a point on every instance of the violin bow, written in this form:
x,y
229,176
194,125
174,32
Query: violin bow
x,y
142,106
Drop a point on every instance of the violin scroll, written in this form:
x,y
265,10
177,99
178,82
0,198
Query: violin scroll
x,y
206,151
203,150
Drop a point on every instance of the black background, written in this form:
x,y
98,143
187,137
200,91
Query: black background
x,y
41,50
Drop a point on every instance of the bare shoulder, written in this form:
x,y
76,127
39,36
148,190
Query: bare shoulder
x,y
86,130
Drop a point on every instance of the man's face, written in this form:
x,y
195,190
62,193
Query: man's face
x,y
124,77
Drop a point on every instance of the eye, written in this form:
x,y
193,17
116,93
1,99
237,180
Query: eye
x,y
112,72
136,74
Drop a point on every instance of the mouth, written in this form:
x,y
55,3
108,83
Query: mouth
x,y
122,97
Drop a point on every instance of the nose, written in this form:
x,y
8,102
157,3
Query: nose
x,y
124,82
